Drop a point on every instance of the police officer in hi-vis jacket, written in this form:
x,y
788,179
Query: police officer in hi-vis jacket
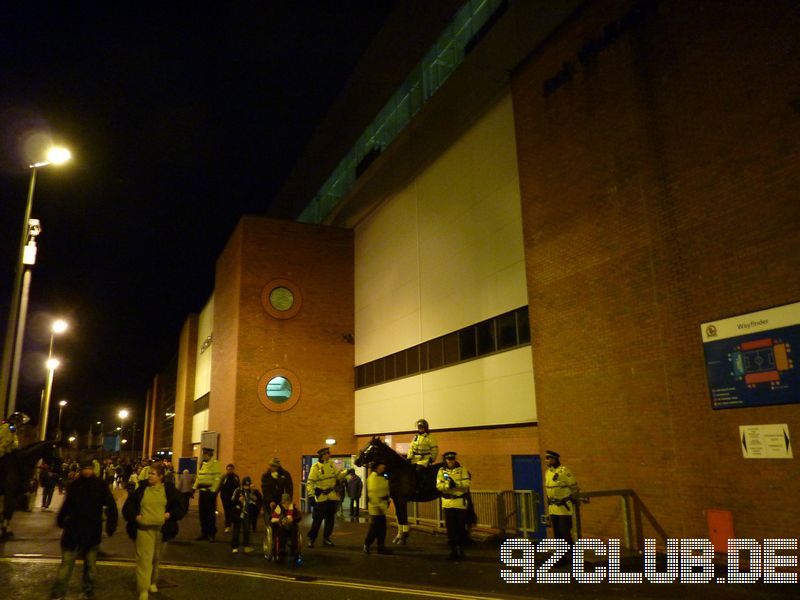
x,y
453,482
321,486
561,489
207,483
423,449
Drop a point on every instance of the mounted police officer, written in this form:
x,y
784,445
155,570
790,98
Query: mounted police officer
x,y
321,485
561,489
9,441
453,481
423,449
207,483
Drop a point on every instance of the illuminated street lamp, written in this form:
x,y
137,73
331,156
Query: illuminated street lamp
x,y
58,326
52,364
123,414
15,330
61,405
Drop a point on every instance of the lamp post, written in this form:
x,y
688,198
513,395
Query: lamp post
x,y
61,405
58,326
15,329
51,364
123,414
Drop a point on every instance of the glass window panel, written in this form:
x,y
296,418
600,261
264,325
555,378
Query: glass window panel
x,y
412,360
379,371
523,326
423,358
400,369
451,348
435,353
486,337
467,348
369,373
506,331
388,364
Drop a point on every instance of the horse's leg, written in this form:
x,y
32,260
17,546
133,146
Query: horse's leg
x,y
401,510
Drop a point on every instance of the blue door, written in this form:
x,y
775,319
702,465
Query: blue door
x,y
527,472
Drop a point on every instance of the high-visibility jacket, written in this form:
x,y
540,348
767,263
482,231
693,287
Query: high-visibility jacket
x,y
423,449
144,474
453,493
560,487
322,480
378,494
8,439
208,476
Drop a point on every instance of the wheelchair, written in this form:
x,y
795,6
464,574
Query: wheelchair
x,y
270,547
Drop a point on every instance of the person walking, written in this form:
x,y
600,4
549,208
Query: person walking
x,y
378,505
453,481
207,483
81,518
243,502
227,486
355,486
152,513
561,489
321,486
48,480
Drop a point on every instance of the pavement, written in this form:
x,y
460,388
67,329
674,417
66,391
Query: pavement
x,y
200,570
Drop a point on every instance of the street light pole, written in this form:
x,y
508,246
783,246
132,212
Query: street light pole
x,y
61,406
15,327
52,365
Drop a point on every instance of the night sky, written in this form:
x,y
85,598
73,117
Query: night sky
x,y
179,120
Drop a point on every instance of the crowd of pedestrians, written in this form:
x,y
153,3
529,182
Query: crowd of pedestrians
x,y
158,498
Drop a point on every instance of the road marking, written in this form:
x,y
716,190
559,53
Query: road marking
x,y
270,577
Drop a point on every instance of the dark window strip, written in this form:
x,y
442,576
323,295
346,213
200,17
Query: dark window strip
x,y
498,334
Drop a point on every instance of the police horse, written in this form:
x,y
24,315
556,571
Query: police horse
x,y
407,482
16,470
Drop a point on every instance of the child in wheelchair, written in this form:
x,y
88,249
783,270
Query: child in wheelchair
x,y
285,529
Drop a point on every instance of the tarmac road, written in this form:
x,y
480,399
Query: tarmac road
x,y
204,570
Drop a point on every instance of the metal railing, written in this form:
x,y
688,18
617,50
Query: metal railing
x,y
632,510
506,512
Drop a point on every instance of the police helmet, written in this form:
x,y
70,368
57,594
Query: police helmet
x,y
422,423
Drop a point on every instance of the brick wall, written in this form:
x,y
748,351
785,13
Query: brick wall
x,y
659,191
248,342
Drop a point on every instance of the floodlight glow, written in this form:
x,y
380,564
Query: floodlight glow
x,y
330,441
59,326
52,364
71,439
62,403
123,414
57,155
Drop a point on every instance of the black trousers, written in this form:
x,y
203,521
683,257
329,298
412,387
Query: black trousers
x,y
47,496
562,527
354,506
377,530
241,525
227,507
323,510
455,519
207,504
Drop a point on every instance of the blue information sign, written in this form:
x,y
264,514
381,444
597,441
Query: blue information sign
x,y
750,359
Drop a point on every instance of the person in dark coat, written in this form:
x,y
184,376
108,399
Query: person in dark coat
x,y
152,513
354,488
275,482
81,518
228,485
